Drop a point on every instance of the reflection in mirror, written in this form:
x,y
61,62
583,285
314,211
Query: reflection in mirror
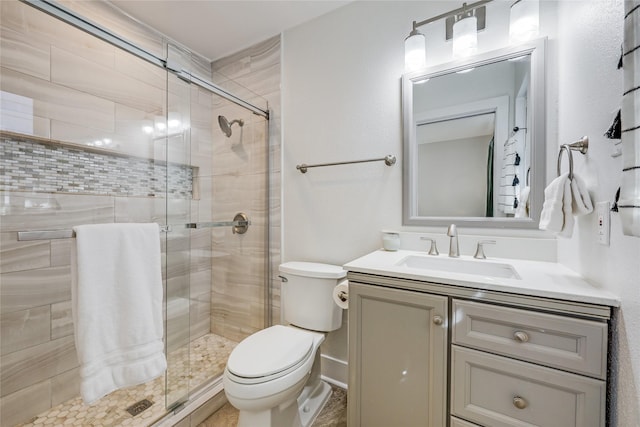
x,y
474,147
461,149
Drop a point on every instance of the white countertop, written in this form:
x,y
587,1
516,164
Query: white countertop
x,y
537,278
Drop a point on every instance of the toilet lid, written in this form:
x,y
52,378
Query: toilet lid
x,y
269,351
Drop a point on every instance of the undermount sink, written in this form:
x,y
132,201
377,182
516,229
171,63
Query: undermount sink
x,y
456,265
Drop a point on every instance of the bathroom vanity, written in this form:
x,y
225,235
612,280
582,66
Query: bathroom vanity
x,y
437,341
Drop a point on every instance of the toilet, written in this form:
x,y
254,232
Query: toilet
x,y
273,376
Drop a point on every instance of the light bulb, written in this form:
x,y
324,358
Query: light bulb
x,y
523,21
414,51
465,37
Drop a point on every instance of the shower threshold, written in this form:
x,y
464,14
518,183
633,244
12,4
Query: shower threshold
x,y
207,357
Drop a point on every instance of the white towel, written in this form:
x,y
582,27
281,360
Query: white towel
x,y
581,200
556,212
117,306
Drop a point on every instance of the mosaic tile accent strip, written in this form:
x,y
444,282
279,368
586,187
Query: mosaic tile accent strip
x,y
37,167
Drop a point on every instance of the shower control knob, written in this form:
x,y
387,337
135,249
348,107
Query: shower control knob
x,y
438,320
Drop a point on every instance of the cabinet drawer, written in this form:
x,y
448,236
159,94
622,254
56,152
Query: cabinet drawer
x,y
457,422
568,343
495,391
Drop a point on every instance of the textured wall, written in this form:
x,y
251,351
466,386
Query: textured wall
x,y
590,93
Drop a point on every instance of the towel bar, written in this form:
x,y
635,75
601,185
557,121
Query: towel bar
x,y
582,145
240,225
389,160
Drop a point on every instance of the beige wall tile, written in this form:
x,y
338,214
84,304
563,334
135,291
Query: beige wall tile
x,y
40,29
18,256
139,69
25,328
257,57
200,317
73,71
61,320
27,289
140,209
107,15
19,407
60,252
39,211
200,283
65,386
23,54
35,364
14,120
57,102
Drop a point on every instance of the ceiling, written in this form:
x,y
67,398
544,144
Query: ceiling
x,y
215,29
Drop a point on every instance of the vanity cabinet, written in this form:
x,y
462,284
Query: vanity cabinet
x,y
512,360
397,357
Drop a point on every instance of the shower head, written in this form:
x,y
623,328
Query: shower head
x,y
225,125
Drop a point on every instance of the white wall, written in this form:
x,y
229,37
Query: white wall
x,y
341,101
590,92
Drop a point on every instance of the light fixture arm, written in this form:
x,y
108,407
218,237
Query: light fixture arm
x,y
465,7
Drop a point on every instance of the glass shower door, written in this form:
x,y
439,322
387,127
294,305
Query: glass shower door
x,y
179,193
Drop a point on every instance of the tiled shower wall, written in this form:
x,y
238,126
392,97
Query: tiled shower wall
x,y
84,90
256,70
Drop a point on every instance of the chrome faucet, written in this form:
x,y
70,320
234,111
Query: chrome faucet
x,y
452,232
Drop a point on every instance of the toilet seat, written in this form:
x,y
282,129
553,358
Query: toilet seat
x,y
269,354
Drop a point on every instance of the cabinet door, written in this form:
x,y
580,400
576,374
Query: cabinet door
x,y
397,357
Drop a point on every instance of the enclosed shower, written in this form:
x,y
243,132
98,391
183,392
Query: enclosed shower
x,y
106,121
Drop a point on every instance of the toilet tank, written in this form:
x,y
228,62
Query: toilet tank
x,y
307,295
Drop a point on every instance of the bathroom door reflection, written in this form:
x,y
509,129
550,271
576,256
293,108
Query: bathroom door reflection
x,y
456,162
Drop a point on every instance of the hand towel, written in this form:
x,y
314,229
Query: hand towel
x,y
556,212
581,200
117,306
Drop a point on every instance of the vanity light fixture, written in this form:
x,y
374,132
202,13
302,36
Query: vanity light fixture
x,y
524,20
461,25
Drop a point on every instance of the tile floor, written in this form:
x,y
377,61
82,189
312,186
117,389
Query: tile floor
x,y
207,356
334,414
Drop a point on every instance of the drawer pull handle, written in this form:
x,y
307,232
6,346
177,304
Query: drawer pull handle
x,y
438,320
519,402
520,336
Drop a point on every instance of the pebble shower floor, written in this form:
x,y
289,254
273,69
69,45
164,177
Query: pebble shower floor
x,y
207,357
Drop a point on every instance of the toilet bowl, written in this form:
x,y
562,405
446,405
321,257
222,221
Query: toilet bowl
x,y
273,376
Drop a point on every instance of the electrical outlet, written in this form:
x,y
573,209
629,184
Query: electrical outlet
x,y
603,217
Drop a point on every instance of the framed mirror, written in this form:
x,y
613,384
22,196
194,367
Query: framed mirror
x,y
474,140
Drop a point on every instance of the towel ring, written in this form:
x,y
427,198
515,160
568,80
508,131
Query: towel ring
x,y
582,145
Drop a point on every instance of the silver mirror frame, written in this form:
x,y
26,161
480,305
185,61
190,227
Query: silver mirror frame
x,y
537,129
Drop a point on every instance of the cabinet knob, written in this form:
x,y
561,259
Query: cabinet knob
x,y
438,320
519,402
520,336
